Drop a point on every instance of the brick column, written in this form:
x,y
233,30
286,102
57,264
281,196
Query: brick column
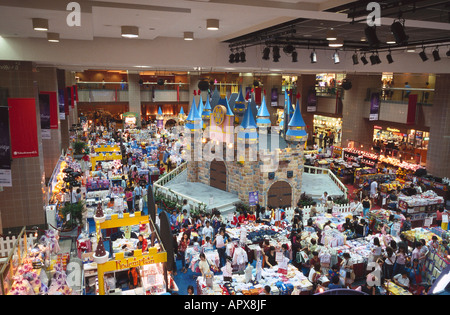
x,y
22,204
134,95
46,80
354,126
439,145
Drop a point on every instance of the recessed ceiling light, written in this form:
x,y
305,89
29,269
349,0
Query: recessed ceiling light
x,y
411,49
130,31
391,40
53,37
363,39
336,43
40,24
188,35
212,24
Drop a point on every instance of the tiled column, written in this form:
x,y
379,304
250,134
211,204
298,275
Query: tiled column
x,y
439,145
22,204
354,126
305,82
134,95
46,81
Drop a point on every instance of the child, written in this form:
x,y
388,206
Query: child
x,y
206,244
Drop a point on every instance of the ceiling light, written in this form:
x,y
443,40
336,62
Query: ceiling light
x,y
411,49
53,37
331,34
377,59
188,35
313,57
371,35
237,57
436,54
423,55
336,43
391,40
398,30
364,59
373,59
40,25
355,58
363,39
266,53
448,53
212,24
231,60
288,49
276,54
336,57
130,31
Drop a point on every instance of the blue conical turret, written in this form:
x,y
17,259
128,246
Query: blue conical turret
x,y
249,128
297,128
263,116
194,120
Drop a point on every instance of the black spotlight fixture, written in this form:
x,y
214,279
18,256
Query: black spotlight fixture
x,y
377,58
237,57
372,38
398,29
373,59
243,57
389,57
355,58
294,56
266,53
448,53
276,54
364,59
231,60
436,54
288,49
313,56
423,55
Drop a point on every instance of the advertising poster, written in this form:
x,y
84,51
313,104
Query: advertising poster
x,y
44,108
68,96
274,97
23,127
253,198
412,107
61,103
311,101
5,147
53,98
374,106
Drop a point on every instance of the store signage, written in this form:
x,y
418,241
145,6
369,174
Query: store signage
x,y
53,100
412,106
393,130
377,127
61,104
253,198
374,106
23,127
5,146
311,105
274,97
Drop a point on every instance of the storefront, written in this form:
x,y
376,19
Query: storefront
x,y
325,129
327,83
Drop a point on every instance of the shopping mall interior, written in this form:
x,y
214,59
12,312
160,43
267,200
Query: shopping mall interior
x,y
358,92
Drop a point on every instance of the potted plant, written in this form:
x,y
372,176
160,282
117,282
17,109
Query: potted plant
x,y
73,215
79,149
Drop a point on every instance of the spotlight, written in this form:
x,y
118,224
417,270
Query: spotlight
x,y
389,58
373,59
371,35
231,60
314,57
336,57
398,30
237,57
276,54
243,59
294,56
448,53
355,58
266,53
377,59
436,54
364,59
288,49
423,55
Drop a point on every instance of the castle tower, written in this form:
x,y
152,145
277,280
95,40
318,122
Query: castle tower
x,y
160,119
296,132
239,107
181,117
193,121
206,114
263,116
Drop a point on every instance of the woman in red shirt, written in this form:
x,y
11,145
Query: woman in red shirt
x,y
242,217
182,246
129,199
251,217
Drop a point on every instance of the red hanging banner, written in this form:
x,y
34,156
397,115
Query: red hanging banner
x,y
23,127
53,109
412,106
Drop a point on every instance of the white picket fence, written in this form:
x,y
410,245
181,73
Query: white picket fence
x,y
342,209
7,243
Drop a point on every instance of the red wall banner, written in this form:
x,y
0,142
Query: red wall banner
x,y
412,106
53,109
23,127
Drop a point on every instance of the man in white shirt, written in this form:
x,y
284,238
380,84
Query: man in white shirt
x,y
373,190
208,231
402,280
324,198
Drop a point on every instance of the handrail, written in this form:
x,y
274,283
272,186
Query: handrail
x,y
319,170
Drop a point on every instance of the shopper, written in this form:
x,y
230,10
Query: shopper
x,y
347,268
207,231
182,246
329,205
220,242
129,199
400,261
335,283
367,205
270,257
389,261
142,244
402,280
190,290
204,265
